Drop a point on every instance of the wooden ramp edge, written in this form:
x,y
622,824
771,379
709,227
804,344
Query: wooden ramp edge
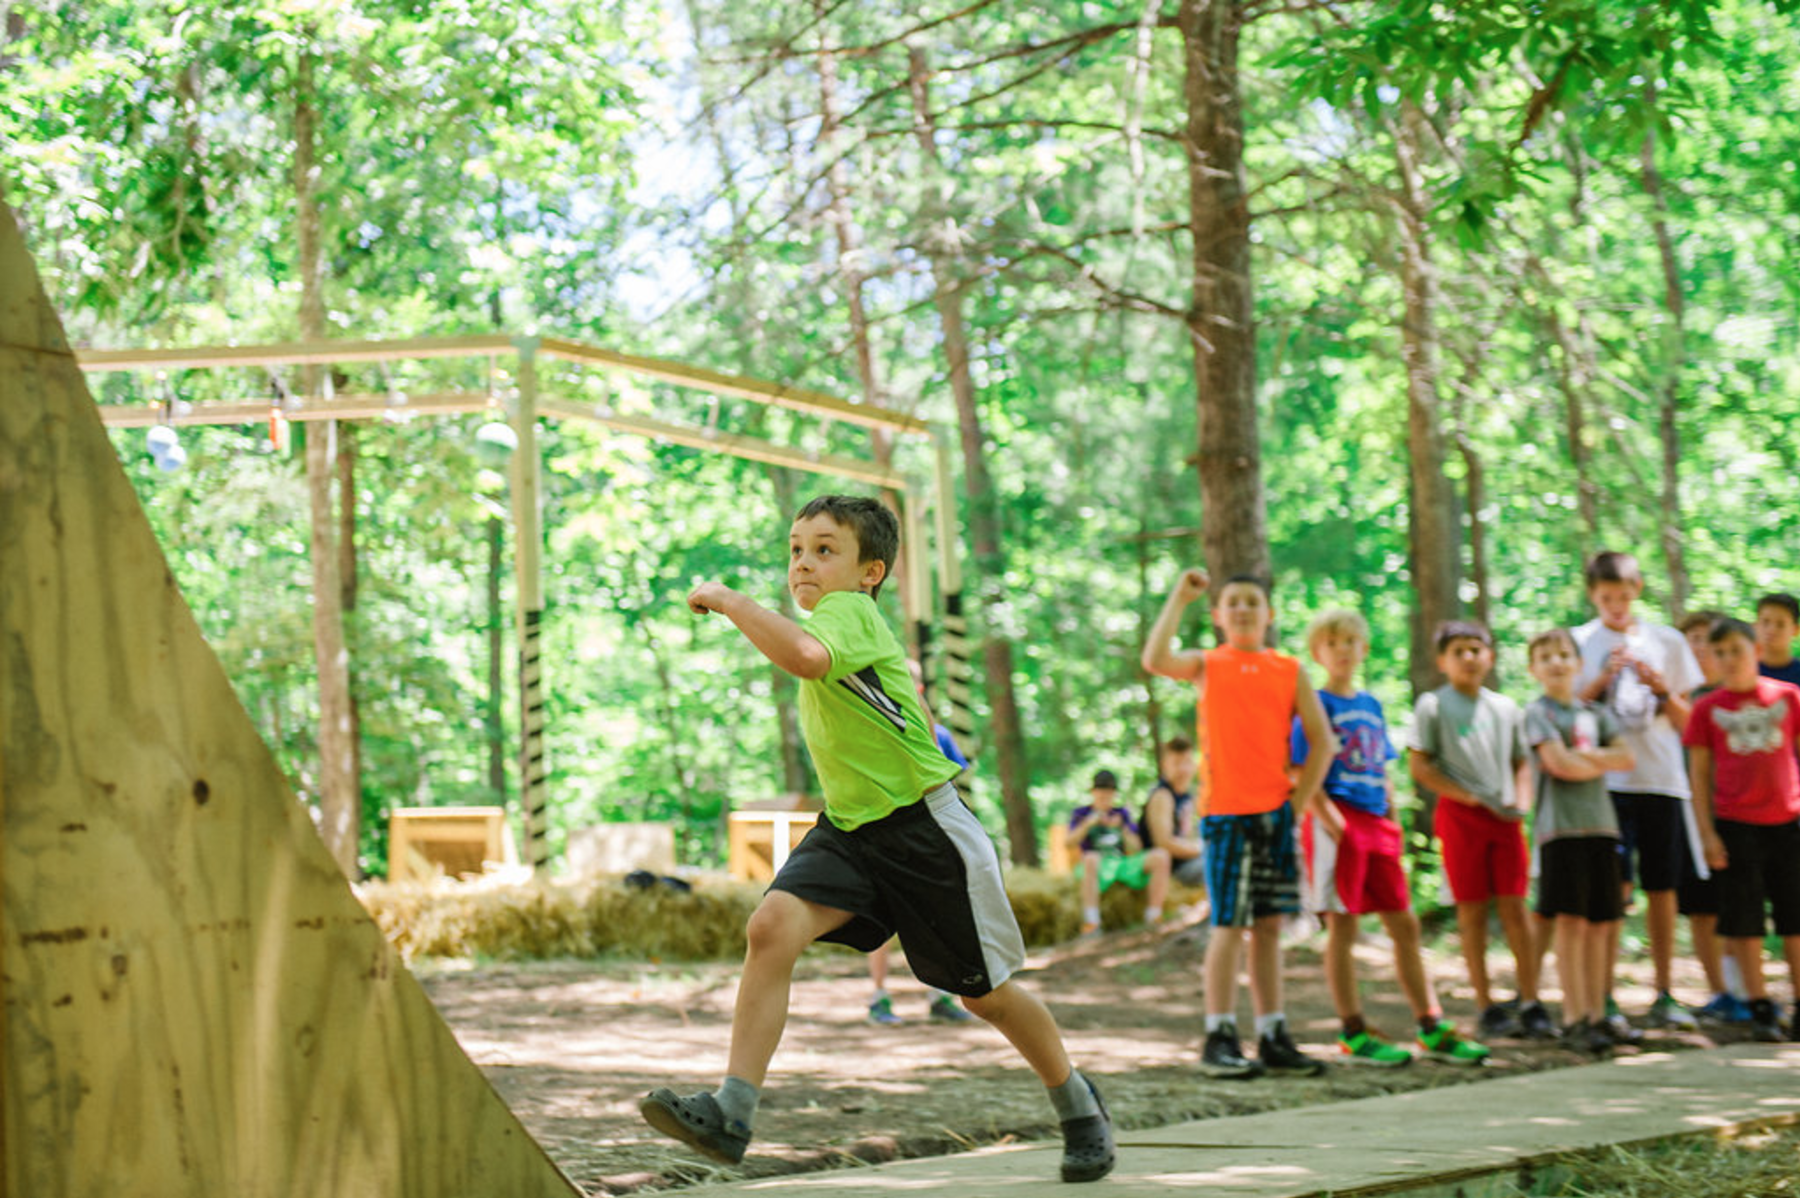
x,y
1474,1139
194,1003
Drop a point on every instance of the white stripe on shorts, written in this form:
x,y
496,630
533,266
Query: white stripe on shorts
x,y
1319,869
1002,947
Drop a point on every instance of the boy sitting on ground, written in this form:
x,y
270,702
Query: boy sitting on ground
x,y
1112,851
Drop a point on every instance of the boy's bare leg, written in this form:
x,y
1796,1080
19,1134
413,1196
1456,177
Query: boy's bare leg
x,y
1340,963
1659,923
778,933
1515,924
1704,930
1471,930
1790,948
1220,972
1575,971
1409,962
1090,885
1028,1026
1156,861
1749,953
1265,965
1599,981
878,966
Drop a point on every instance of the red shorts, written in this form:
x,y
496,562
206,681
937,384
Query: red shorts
x,y
1359,874
1484,855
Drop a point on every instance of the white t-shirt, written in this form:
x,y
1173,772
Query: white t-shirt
x,y
1652,737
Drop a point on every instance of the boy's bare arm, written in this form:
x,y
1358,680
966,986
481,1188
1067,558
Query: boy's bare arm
x,y
1614,756
1571,765
1426,773
1160,655
779,639
1700,777
1321,744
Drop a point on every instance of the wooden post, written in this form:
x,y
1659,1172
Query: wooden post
x,y
528,568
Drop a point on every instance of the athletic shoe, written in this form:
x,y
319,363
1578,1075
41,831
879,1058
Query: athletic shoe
x,y
1281,1056
1666,1012
945,1009
1588,1037
1443,1044
1222,1057
1499,1022
1794,1027
1725,1009
697,1122
1765,1025
1618,1027
1366,1048
1536,1023
1088,1142
881,1011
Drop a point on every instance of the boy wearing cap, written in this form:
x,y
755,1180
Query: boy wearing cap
x,y
1112,850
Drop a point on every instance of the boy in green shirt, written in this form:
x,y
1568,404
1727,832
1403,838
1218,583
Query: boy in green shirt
x,y
897,851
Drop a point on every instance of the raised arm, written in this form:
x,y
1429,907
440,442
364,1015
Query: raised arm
x,y
1160,655
780,640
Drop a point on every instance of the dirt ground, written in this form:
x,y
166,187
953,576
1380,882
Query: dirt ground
x,y
571,1046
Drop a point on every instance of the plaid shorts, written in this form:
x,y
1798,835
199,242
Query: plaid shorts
x,y
1252,866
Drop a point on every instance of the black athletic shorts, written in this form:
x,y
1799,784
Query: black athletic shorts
x,y
1579,875
1652,838
1696,895
927,872
1762,874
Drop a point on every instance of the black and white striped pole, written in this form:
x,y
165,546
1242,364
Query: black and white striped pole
x,y
528,565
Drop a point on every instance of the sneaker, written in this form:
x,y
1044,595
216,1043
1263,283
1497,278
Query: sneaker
x,y
1088,1142
1618,1027
1588,1037
945,1009
1281,1056
1794,1027
881,1011
1724,1009
1499,1022
1366,1048
1222,1058
697,1122
1535,1022
1765,1025
1666,1012
1443,1044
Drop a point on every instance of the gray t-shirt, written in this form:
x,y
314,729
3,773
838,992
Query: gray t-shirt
x,y
1566,809
1478,741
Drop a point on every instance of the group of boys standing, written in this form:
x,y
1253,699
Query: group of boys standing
x,y
1650,756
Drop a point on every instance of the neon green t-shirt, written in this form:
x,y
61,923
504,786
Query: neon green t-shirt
x,y
863,724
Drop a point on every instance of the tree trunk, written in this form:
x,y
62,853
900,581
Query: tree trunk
x,y
1672,359
340,794
493,728
1234,523
1432,522
989,565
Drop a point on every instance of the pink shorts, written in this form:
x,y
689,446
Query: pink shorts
x,y
1359,874
1484,855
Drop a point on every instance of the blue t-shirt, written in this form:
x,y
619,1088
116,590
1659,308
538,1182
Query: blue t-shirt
x,y
947,745
1104,837
1358,775
1788,673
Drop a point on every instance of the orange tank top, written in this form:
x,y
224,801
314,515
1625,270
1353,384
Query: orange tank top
x,y
1246,713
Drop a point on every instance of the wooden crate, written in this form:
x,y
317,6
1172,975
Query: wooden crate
x,y
761,841
456,842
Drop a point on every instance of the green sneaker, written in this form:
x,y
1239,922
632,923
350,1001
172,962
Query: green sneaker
x,y
1366,1048
1443,1044
1666,1012
881,1012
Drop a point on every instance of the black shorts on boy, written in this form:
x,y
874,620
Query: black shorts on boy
x,y
1652,838
928,872
1761,879
1579,876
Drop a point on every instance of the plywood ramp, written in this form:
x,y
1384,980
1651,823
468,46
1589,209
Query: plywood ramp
x,y
194,1002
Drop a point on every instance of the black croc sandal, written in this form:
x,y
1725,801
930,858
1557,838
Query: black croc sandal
x,y
696,1121
1088,1143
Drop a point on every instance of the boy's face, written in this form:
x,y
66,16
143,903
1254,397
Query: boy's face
x,y
1554,664
1339,652
1104,796
1736,655
1703,653
1242,612
1466,662
1179,768
1613,600
823,558
1775,633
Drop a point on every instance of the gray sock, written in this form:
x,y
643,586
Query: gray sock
x,y
737,1098
1074,1099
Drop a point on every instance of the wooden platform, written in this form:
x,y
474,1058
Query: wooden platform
x,y
1470,1140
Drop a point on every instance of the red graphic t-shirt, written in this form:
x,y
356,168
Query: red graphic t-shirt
x,y
1751,735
